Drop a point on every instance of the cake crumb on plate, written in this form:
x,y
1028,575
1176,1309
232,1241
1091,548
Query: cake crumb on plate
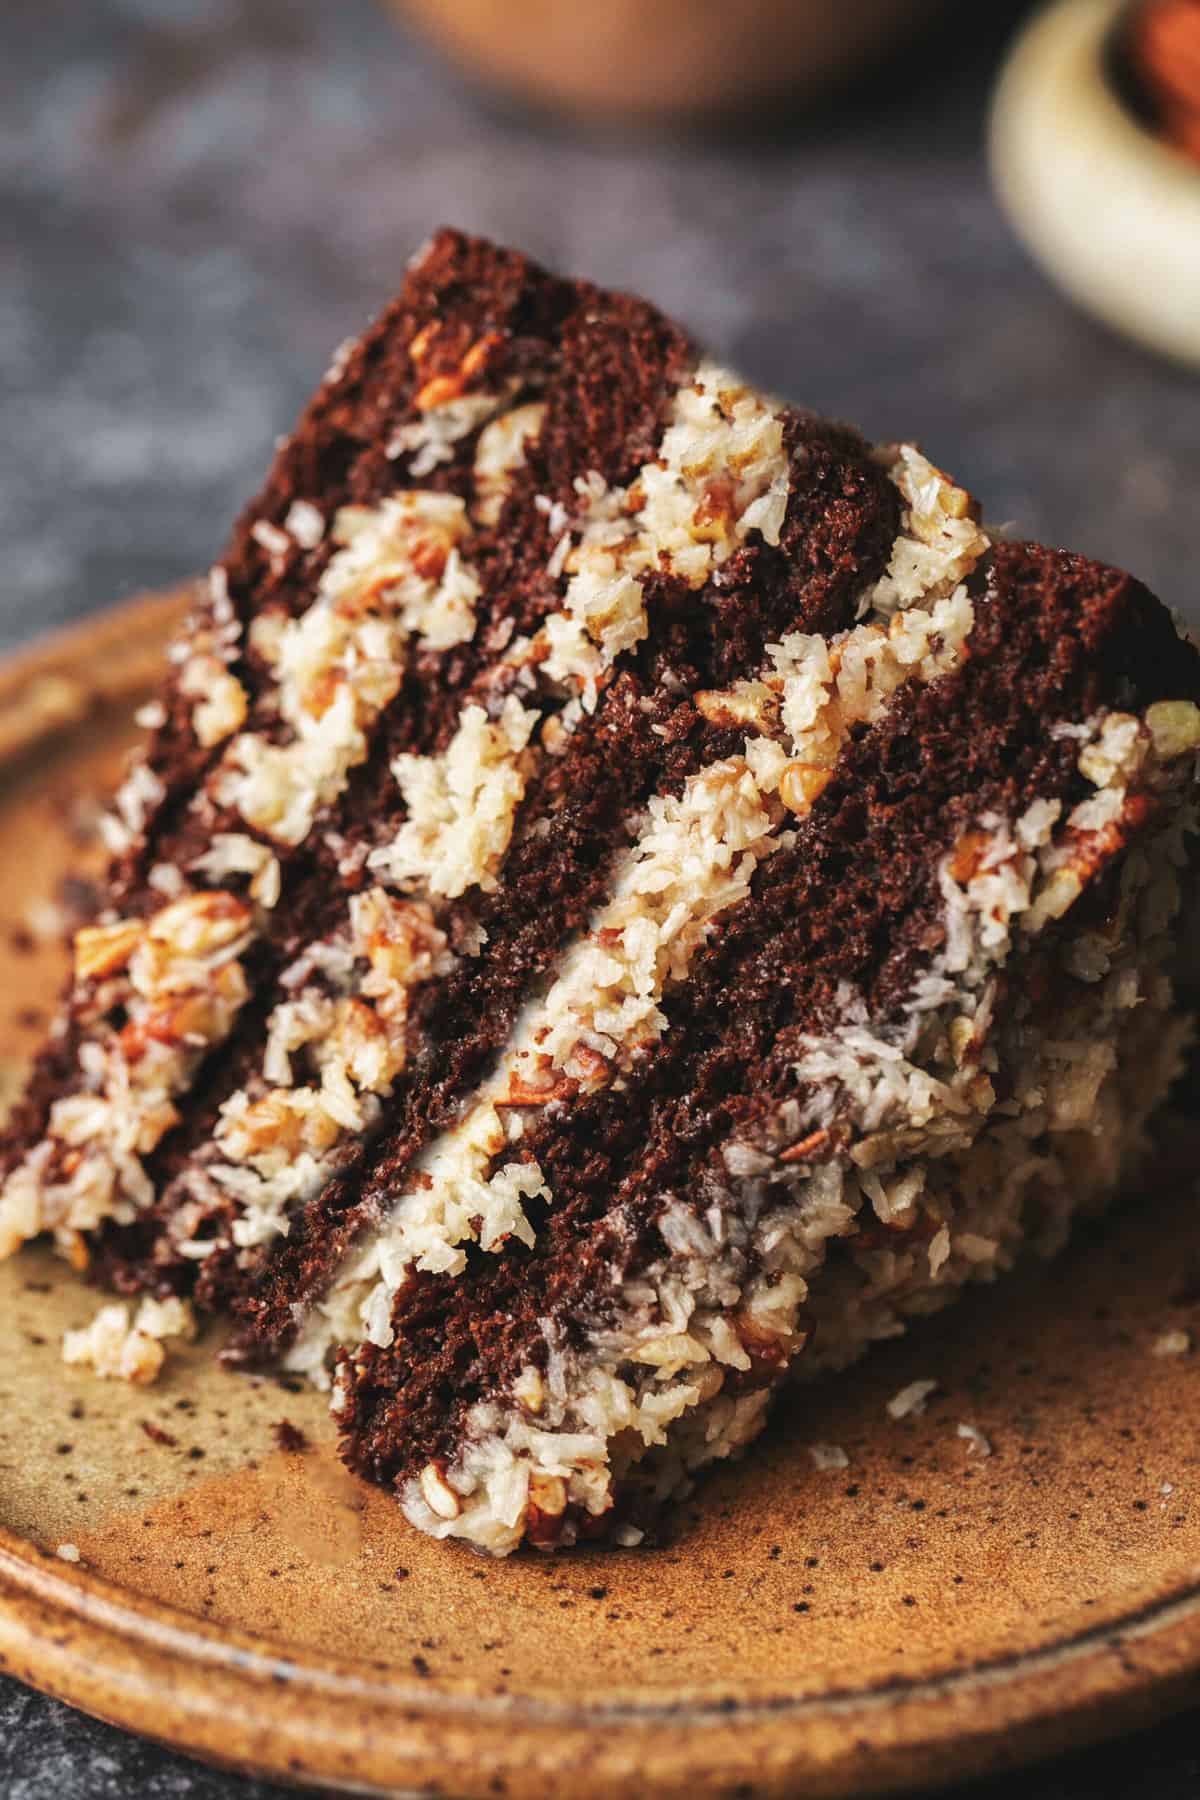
x,y
911,1401
978,1443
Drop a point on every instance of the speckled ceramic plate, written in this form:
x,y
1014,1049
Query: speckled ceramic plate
x,y
925,1611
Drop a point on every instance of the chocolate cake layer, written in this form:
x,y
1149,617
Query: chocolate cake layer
x,y
630,896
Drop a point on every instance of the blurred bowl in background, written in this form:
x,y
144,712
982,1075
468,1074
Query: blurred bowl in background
x,y
663,60
1109,208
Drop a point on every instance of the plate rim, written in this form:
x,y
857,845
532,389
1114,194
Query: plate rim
x,y
239,1700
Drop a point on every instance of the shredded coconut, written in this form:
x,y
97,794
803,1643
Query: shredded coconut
x,y
276,1141
693,862
272,539
115,1349
430,439
829,685
305,523
939,542
827,1457
461,805
500,451
134,802
402,557
722,472
232,853
911,1401
176,983
398,575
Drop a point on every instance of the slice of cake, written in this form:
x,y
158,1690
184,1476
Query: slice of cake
x,y
630,896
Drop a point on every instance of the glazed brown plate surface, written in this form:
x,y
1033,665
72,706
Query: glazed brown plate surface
x,y
925,1611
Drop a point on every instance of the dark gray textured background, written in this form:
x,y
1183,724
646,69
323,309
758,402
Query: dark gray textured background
x,y
198,198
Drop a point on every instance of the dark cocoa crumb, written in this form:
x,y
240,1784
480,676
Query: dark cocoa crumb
x,y
289,1437
79,899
